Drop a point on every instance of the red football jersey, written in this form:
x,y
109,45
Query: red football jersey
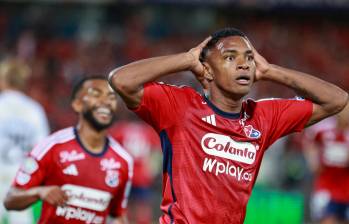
x,y
211,157
333,175
97,184
140,140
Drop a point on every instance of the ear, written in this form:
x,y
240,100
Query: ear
x,y
77,105
207,71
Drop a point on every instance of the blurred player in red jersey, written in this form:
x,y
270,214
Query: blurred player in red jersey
x,y
142,142
213,145
81,174
328,145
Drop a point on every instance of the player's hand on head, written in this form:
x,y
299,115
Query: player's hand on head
x,y
196,66
262,65
53,195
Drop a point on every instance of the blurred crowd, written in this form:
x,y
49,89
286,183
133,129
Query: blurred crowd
x,y
63,44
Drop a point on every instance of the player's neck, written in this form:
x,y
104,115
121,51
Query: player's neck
x,y
225,103
91,139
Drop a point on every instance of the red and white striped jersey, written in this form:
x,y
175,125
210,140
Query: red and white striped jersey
x,y
211,157
97,184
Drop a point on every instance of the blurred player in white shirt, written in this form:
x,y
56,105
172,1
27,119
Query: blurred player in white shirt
x,y
23,123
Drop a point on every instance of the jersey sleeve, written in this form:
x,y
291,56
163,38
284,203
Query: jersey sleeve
x,y
286,116
119,202
33,170
161,105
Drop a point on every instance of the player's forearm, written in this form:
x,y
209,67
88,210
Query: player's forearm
x,y
130,78
330,97
18,199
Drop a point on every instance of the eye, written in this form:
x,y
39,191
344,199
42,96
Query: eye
x,y
112,97
250,57
229,58
93,92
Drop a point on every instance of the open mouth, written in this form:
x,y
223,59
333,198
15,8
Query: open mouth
x,y
243,79
104,111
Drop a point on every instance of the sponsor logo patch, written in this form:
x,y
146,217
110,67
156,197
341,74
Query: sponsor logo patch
x,y
22,178
109,164
79,214
66,156
29,165
85,197
227,168
225,147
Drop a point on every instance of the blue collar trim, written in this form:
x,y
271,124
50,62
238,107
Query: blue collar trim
x,y
221,112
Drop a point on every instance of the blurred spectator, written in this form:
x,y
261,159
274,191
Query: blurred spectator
x,y
327,148
22,124
142,142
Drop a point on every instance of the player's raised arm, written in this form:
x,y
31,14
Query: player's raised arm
x,y
328,99
128,80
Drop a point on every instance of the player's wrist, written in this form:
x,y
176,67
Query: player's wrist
x,y
191,60
269,74
35,192
38,192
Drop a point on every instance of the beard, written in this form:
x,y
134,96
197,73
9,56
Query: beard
x,y
98,126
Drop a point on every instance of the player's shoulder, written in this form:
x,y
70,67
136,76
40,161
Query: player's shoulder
x,y
267,102
260,103
59,137
14,99
120,151
260,106
33,103
172,87
275,99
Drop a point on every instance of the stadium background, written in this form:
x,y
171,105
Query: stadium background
x,y
66,40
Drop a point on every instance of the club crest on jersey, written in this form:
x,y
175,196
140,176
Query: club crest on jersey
x,y
251,132
112,178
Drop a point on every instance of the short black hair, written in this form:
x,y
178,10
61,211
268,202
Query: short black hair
x,y
78,85
216,36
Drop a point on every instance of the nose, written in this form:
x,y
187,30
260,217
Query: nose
x,y
243,67
242,64
106,100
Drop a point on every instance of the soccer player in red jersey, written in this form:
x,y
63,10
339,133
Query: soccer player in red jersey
x,y
329,146
81,174
213,145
